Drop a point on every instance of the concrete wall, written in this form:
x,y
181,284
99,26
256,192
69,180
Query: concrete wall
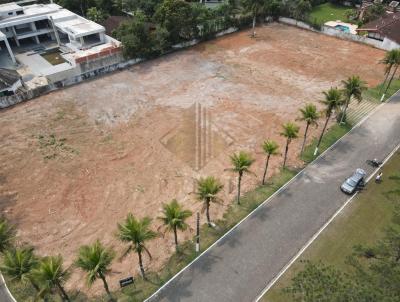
x,y
386,44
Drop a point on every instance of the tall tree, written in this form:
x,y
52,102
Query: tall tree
x,y
96,260
300,9
19,263
7,235
333,101
310,115
177,17
396,59
290,132
270,148
51,274
254,7
136,232
207,192
241,163
174,218
389,61
353,88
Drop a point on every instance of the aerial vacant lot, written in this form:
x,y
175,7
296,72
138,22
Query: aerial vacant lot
x,y
75,162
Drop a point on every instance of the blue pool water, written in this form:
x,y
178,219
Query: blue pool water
x,y
343,28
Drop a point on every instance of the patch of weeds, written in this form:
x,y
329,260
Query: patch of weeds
x,y
107,139
139,188
59,115
52,147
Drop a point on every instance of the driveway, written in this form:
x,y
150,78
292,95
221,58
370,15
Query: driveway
x,y
240,265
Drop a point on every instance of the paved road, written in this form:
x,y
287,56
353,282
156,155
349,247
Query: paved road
x,y
242,263
5,295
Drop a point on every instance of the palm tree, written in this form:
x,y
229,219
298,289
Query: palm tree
x,y
353,88
254,7
389,60
174,217
96,260
7,235
290,131
310,115
51,274
333,100
396,64
18,264
241,163
270,148
136,232
207,191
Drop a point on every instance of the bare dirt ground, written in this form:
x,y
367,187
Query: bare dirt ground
x,y
75,162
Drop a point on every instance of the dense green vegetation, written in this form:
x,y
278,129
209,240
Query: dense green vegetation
x,y
360,243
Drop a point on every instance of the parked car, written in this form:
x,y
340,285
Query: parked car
x,y
353,182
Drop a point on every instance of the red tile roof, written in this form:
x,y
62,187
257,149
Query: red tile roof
x,y
387,26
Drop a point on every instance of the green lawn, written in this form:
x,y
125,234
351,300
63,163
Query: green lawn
x,y
328,12
374,92
361,222
330,137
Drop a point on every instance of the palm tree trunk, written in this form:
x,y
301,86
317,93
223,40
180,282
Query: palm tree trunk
x,y
141,265
239,183
305,138
286,152
384,82
63,294
391,78
254,24
342,119
176,236
266,168
106,287
208,211
322,134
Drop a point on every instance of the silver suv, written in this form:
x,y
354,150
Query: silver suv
x,y
352,183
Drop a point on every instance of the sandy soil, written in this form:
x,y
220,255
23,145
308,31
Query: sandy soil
x,y
130,141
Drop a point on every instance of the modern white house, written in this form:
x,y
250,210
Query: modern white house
x,y
49,42
38,23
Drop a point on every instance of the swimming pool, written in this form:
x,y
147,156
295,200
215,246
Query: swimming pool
x,y
343,28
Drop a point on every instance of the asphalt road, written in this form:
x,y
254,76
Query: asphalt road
x,y
239,266
5,295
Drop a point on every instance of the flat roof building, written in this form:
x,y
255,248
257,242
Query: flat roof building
x,y
39,23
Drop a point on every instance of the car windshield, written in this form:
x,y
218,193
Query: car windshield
x,y
351,182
